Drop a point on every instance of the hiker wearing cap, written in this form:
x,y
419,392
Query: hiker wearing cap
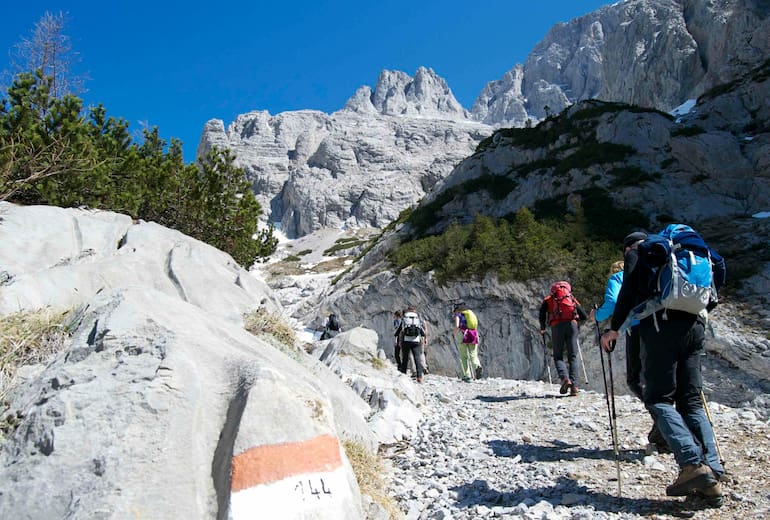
x,y
633,344
672,332
466,330
633,341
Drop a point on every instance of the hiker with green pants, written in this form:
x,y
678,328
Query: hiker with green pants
x,y
465,328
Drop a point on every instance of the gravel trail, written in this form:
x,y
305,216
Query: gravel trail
x,y
498,448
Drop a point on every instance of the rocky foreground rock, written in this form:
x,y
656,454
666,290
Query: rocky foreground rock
x,y
161,404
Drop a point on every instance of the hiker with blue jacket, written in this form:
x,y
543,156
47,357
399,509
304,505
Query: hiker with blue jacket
x,y
672,331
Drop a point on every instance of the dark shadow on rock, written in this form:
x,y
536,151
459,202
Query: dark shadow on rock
x,y
558,451
478,493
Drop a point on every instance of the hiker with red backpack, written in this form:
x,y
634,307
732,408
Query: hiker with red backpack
x,y
562,311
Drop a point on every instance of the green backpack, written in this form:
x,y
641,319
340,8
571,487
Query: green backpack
x,y
470,319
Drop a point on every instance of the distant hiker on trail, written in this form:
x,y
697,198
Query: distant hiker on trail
x,y
466,330
397,347
672,330
413,336
331,327
561,310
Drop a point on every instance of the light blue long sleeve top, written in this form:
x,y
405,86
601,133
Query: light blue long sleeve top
x,y
610,297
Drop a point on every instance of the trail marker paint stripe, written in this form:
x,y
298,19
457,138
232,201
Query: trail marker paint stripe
x,y
275,462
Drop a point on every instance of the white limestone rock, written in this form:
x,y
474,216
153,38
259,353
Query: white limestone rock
x,y
360,166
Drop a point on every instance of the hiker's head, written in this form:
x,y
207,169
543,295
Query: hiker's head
x,y
397,314
616,267
460,307
632,240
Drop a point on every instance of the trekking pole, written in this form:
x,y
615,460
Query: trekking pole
x,y
614,422
547,363
711,422
582,364
610,408
461,373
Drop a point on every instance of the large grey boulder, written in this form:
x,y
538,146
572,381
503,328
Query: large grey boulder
x,y
162,405
158,408
355,355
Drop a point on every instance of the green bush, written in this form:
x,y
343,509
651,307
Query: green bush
x,y
548,243
344,244
51,153
497,186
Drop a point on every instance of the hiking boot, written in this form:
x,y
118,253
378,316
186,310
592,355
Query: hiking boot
x,y
466,380
565,384
656,439
419,379
479,372
573,389
711,495
692,477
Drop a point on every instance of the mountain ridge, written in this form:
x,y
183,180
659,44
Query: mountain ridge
x,y
655,53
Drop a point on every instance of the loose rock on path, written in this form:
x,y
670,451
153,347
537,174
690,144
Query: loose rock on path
x,y
498,448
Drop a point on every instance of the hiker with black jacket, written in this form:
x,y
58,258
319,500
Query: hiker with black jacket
x,y
633,340
331,327
672,342
413,336
561,310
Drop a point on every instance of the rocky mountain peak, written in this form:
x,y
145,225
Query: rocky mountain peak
x,y
360,166
426,94
649,53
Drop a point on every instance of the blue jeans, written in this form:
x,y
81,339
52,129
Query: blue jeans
x,y
673,384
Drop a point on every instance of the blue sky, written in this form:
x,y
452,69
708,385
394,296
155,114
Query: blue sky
x,y
176,65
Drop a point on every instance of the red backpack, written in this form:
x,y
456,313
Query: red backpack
x,y
561,303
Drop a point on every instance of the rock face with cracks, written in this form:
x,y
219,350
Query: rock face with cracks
x,y
161,404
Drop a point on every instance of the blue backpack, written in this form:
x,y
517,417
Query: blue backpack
x,y
679,271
